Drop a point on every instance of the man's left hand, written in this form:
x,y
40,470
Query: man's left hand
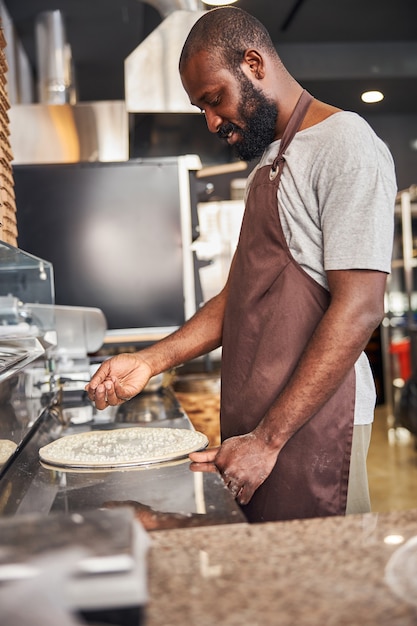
x,y
244,463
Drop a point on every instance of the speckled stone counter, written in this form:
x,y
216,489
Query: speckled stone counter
x,y
334,571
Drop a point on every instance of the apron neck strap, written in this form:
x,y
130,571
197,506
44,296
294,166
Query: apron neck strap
x,y
291,128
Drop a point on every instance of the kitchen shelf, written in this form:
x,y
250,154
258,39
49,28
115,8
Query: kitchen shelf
x,y
399,263
399,327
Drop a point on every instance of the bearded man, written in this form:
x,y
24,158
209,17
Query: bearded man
x,y
305,289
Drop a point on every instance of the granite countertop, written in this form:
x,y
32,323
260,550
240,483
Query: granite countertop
x,y
332,571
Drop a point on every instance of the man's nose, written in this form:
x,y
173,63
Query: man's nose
x,y
213,120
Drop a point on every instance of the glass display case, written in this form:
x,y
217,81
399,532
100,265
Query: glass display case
x,y
26,339
26,286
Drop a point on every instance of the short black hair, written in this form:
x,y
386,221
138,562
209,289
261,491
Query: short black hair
x,y
227,32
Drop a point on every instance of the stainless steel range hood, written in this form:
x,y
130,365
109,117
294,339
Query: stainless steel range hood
x,y
62,130
152,82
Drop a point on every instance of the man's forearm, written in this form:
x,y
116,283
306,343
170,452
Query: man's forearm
x,y
335,346
320,372
201,334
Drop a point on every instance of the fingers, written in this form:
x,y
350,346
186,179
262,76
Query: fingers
x,y
112,388
233,484
99,397
206,456
102,395
234,489
207,468
108,393
241,492
117,380
245,494
91,390
96,392
97,379
205,461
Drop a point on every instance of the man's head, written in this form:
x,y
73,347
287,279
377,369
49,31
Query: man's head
x,y
222,66
226,33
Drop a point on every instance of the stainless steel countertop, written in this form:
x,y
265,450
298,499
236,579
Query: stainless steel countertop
x,y
29,487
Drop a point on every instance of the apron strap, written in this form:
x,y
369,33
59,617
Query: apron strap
x,y
291,128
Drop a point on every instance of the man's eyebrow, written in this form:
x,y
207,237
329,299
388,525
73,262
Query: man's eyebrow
x,y
205,96
199,100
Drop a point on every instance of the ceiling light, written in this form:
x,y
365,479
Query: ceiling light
x,y
218,3
372,96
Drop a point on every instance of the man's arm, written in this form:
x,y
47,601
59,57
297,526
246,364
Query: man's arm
x,y
123,376
355,309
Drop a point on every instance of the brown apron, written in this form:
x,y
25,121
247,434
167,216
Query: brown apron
x,y
272,310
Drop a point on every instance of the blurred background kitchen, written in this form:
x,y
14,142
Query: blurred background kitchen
x,y
119,186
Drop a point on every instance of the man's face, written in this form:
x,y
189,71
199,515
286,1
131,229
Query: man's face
x,y
234,108
258,117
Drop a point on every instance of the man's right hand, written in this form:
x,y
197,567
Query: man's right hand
x,y
118,379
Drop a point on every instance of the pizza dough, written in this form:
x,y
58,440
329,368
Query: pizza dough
x,y
7,448
122,447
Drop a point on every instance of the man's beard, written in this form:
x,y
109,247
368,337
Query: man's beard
x,y
259,116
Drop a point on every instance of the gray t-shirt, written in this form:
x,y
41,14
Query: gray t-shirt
x,y
336,204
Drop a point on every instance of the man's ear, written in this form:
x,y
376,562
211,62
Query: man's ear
x,y
254,63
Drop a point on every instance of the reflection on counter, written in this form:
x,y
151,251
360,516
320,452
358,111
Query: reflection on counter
x,y
27,486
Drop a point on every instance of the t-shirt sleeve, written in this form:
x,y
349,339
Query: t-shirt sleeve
x,y
357,203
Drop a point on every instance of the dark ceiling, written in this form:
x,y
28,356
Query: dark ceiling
x,y
336,48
